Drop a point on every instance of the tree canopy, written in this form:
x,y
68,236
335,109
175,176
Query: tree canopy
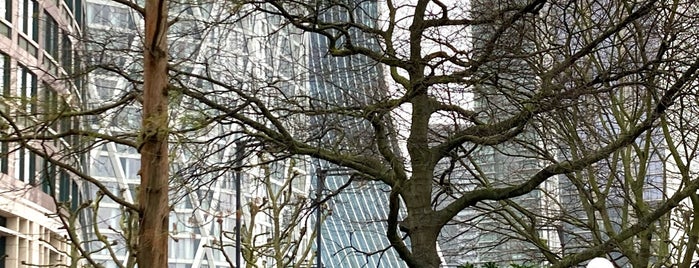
x,y
557,131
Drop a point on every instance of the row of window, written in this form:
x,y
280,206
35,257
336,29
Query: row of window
x,y
35,104
56,42
75,7
35,170
38,103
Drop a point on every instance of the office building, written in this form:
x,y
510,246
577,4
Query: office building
x,y
575,211
38,40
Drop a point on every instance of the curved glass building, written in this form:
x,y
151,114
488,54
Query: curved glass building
x,y
354,225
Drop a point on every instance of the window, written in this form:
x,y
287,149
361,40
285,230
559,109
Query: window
x,y
64,187
64,121
67,54
131,166
27,89
128,118
108,217
3,243
28,18
26,166
4,147
106,89
75,140
4,157
75,197
51,36
48,178
50,106
103,167
185,247
5,70
21,164
227,201
5,17
653,188
6,10
79,12
110,16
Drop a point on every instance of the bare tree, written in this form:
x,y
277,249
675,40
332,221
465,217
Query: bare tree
x,y
287,241
130,68
497,80
489,106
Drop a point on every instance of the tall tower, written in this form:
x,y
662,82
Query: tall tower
x,y
492,231
249,50
522,49
353,230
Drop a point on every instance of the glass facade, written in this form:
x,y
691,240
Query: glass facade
x,y
353,231
578,210
203,179
354,227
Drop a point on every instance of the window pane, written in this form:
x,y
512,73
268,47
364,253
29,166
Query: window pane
x,y
6,9
28,21
103,167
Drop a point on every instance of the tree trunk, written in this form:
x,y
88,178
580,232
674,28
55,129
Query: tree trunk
x,y
424,241
153,193
693,234
423,226
422,223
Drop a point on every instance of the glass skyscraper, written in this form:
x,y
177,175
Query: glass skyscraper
x,y
203,161
572,212
354,228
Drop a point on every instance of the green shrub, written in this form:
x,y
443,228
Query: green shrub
x,y
514,265
490,265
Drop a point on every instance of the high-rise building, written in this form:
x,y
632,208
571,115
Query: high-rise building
x,y
38,40
576,211
253,51
353,231
493,231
